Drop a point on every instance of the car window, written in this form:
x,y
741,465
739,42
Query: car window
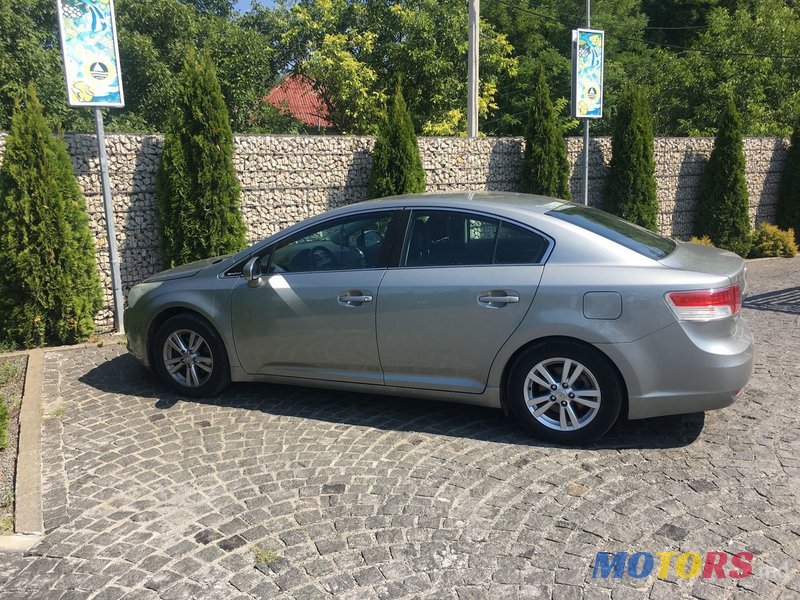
x,y
518,246
617,230
441,238
354,242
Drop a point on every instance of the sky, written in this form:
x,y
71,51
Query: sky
x,y
244,5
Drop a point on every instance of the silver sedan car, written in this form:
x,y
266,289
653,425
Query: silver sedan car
x,y
564,315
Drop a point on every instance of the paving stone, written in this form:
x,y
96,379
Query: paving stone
x,y
370,497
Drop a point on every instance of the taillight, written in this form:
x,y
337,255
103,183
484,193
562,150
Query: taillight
x,y
706,305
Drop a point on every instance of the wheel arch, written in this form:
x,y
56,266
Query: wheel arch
x,y
507,368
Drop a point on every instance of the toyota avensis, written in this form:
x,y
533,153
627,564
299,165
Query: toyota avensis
x,y
564,315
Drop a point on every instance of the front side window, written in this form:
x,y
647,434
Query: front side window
x,y
355,242
441,238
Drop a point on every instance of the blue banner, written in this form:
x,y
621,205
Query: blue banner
x,y
587,73
91,57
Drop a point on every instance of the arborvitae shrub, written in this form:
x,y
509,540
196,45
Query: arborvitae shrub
x,y
770,241
197,192
724,210
545,169
630,190
396,165
49,285
789,194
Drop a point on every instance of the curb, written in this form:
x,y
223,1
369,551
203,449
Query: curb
x,y
28,484
18,543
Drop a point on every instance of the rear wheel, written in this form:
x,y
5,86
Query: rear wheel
x,y
564,392
190,357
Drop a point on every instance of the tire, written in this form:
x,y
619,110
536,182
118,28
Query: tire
x,y
593,392
189,356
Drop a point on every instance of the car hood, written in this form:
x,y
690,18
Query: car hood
x,y
187,270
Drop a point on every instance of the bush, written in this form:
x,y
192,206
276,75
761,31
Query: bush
x,y
545,169
197,192
724,211
3,423
789,193
703,241
49,285
631,184
396,165
769,241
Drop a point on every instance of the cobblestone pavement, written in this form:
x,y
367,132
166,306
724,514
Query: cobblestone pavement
x,y
272,491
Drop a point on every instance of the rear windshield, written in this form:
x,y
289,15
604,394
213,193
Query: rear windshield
x,y
617,230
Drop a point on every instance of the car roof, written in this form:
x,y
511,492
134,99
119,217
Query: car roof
x,y
466,200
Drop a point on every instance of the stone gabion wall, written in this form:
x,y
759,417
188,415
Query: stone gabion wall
x,y
287,178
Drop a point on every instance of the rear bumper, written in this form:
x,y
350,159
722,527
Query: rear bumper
x,y
684,368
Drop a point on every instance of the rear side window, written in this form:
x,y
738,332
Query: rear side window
x,y
441,238
626,234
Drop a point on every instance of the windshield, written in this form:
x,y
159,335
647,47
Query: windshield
x,y
617,230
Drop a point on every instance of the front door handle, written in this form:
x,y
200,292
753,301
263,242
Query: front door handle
x,y
354,298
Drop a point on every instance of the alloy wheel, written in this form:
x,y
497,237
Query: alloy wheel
x,y
562,394
187,358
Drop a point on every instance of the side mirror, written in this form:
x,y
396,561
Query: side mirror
x,y
252,272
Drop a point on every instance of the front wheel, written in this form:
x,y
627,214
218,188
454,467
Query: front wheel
x,y
565,392
190,357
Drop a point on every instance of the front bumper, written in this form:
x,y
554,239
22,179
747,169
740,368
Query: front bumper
x,y
684,368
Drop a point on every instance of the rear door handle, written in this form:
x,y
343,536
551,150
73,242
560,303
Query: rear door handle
x,y
498,299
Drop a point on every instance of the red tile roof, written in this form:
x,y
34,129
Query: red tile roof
x,y
296,95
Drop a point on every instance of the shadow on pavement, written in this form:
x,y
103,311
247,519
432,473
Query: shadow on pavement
x,y
785,301
123,375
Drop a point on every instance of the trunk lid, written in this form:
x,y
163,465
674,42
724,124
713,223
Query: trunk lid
x,y
705,259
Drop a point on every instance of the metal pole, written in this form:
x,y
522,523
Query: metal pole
x,y
586,129
472,68
110,229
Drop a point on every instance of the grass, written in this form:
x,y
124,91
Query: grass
x,y
264,557
11,370
3,423
6,524
6,347
58,412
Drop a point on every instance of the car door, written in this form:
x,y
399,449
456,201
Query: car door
x,y
313,316
463,283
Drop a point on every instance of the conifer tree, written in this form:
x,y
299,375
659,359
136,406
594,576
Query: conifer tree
x,y
197,192
396,164
789,194
545,169
49,285
630,190
724,210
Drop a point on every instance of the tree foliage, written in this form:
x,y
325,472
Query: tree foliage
x,y
630,190
545,169
686,53
788,216
356,49
49,286
396,164
197,192
724,210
